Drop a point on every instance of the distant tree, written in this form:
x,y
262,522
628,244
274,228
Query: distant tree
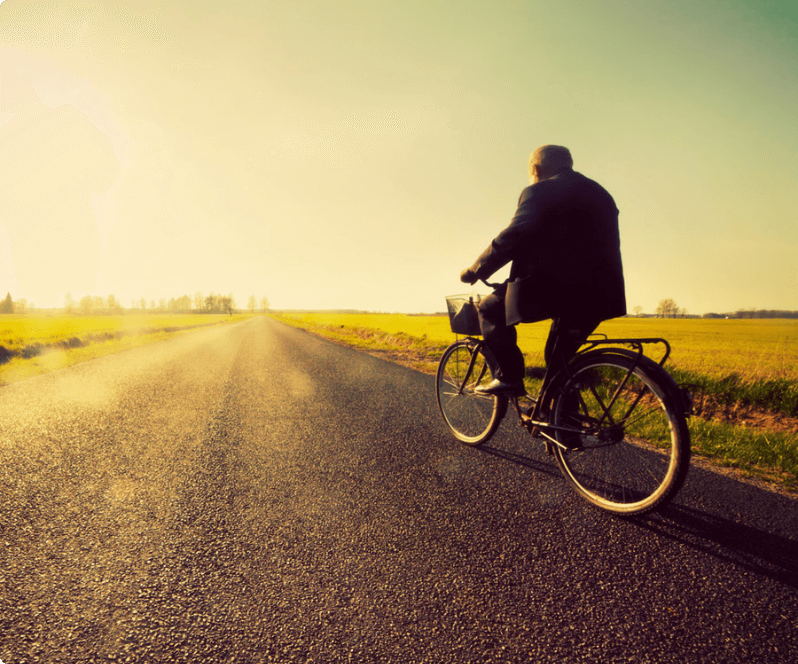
x,y
7,305
637,310
180,304
113,305
745,313
667,309
227,304
87,305
264,304
69,303
21,306
252,304
198,300
217,304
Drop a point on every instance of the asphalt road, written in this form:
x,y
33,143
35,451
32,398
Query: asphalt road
x,y
255,494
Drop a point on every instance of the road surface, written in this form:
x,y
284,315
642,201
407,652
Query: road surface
x,y
253,493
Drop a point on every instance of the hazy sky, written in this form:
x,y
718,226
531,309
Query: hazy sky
x,y
360,154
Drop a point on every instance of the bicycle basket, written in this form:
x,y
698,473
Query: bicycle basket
x,y
463,315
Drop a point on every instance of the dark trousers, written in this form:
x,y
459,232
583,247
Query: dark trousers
x,y
566,335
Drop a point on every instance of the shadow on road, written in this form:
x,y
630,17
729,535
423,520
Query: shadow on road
x,y
538,465
734,521
754,549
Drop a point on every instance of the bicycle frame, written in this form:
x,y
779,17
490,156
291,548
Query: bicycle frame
x,y
611,415
540,427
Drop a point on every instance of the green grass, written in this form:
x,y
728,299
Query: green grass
x,y
766,454
735,362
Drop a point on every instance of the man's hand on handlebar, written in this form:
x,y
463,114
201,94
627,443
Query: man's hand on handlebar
x,y
468,276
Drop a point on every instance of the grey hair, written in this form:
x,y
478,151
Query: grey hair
x,y
551,159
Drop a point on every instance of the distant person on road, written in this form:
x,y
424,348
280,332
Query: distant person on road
x,y
565,250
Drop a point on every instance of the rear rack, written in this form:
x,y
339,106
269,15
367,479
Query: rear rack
x,y
637,344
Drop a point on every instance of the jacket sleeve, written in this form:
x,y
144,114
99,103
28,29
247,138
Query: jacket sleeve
x,y
507,245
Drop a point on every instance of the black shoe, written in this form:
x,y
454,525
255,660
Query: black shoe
x,y
498,388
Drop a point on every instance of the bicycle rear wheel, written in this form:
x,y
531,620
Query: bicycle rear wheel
x,y
629,431
473,418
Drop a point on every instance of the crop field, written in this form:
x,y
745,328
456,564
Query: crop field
x,y
751,349
743,374
35,344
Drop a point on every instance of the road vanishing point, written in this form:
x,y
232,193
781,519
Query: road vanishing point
x,y
252,493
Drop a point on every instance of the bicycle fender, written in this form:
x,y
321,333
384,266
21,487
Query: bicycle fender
x,y
680,396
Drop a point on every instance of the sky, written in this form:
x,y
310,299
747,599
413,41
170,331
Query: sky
x,y
360,154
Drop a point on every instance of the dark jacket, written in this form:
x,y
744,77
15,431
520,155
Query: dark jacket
x,y
565,250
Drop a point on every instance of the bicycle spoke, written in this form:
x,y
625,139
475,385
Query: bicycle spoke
x,y
472,417
630,457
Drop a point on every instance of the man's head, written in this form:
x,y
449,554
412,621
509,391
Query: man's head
x,y
548,160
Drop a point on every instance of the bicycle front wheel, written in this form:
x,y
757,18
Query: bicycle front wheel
x,y
473,418
630,446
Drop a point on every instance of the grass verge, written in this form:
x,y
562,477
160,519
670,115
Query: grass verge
x,y
764,453
779,395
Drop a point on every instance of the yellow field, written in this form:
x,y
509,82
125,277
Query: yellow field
x,y
753,349
36,344
18,331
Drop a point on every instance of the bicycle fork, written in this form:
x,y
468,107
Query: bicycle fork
x,y
470,370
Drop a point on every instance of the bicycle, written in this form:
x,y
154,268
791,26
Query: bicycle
x,y
614,418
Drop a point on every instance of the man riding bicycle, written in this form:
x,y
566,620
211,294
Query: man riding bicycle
x,y
564,246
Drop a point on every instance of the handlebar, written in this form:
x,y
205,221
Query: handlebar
x,y
491,285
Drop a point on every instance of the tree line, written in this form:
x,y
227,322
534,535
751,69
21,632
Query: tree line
x,y
667,308
93,305
755,313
